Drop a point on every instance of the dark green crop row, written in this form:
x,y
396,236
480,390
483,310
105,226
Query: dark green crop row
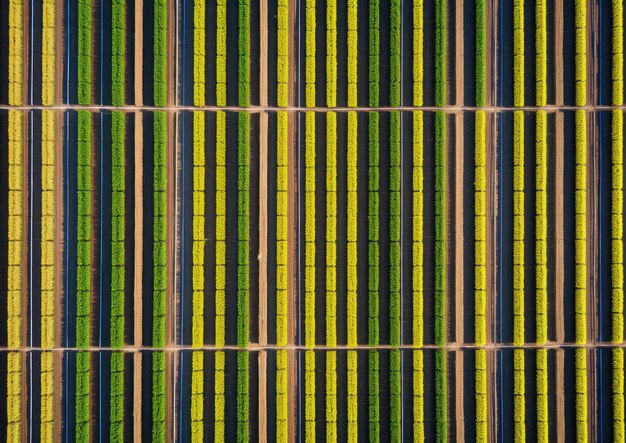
x,y
160,52
440,52
243,400
374,52
83,270
117,397
158,397
118,53
118,224
243,278
84,52
481,52
83,395
373,396
395,73
244,53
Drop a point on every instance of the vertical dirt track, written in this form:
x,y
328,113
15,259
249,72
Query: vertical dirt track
x,y
263,153
138,215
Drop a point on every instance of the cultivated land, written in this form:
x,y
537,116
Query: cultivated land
x,y
334,220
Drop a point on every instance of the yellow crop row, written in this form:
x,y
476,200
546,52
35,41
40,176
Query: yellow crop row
x,y
282,401
48,63
199,52
352,52
16,48
282,229
220,228
15,366
220,62
197,396
283,53
220,399
353,400
47,396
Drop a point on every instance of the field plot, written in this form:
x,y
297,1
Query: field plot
x,y
312,220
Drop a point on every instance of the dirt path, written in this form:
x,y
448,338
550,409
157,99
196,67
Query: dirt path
x,y
138,215
172,213
458,222
59,271
263,153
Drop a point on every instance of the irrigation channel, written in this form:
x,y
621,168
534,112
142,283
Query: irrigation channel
x,y
303,220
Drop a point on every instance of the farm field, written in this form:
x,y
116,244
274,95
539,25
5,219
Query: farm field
x,y
312,220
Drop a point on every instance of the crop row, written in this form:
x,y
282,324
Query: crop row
x,y
160,52
48,62
418,222
352,151
518,52
541,52
16,49
47,397
15,368
118,51
518,268
83,276
580,222
580,72
220,57
373,221
198,284
352,52
481,53
243,223
199,52
220,226
118,226
309,228
617,225
441,384
282,56
282,401
331,221
220,398
84,52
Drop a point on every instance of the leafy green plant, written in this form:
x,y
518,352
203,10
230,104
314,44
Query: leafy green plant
x,y
118,53
84,52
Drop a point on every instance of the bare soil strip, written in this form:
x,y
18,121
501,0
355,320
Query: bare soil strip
x,y
458,222
292,168
138,215
172,216
59,287
559,226
263,153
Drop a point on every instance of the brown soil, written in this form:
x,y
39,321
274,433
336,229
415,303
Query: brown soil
x,y
263,150
170,247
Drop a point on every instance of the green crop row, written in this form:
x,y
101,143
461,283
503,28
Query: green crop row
x,y
352,52
283,53
580,73
373,228
118,45
395,396
243,228
395,73
244,53
441,387
159,272
83,396
373,396
394,227
117,397
220,228
199,52
118,224
541,52
518,52
481,53
331,53
374,52
84,52
220,55
83,269
243,397
160,52
440,52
